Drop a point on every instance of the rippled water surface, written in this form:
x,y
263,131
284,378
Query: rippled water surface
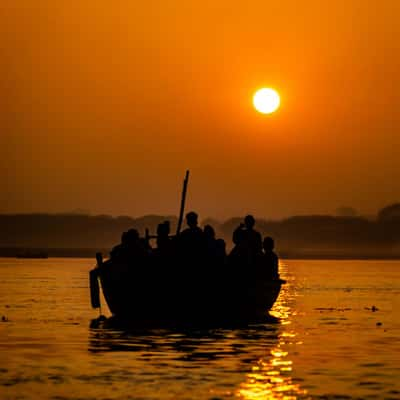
x,y
338,337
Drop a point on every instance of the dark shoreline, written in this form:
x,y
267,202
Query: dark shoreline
x,y
13,252
298,237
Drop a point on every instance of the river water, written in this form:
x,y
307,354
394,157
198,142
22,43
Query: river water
x,y
338,337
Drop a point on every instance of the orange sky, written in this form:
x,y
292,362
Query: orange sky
x,y
105,104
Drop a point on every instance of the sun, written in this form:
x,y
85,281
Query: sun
x,y
266,100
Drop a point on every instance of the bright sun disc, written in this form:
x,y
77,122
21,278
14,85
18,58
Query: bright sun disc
x,y
266,100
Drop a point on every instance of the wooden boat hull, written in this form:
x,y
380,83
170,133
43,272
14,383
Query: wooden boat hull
x,y
174,297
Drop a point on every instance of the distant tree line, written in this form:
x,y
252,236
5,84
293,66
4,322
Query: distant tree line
x,y
70,230
297,236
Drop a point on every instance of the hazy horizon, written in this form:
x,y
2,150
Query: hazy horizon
x,y
220,214
85,212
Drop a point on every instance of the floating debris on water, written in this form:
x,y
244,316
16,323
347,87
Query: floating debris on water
x,y
373,308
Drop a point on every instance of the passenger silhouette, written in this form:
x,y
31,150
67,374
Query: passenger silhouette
x,y
163,231
192,222
270,262
135,249
210,243
164,243
118,252
131,248
191,240
214,250
239,255
251,237
238,236
248,244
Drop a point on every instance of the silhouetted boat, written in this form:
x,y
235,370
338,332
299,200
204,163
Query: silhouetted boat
x,y
140,295
187,292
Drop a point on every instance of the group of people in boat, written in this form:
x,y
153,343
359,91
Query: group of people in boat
x,y
200,246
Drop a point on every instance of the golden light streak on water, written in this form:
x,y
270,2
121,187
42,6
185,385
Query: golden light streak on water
x,y
270,379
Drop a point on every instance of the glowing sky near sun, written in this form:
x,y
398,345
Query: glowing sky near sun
x,y
105,105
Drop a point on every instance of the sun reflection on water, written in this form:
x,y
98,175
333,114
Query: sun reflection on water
x,y
271,378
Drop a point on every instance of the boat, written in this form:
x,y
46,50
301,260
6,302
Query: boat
x,y
150,292
145,296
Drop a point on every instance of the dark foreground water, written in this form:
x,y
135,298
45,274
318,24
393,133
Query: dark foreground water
x,y
329,344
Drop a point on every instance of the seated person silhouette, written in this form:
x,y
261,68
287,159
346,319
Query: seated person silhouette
x,y
248,243
214,248
237,236
163,231
270,262
251,237
134,250
130,249
191,240
117,252
164,242
238,257
210,241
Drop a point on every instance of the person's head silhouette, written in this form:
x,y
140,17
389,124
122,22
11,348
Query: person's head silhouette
x,y
268,243
132,236
163,229
191,219
249,221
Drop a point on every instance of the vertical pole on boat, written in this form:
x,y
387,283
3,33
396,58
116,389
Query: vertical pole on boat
x,y
183,199
99,259
94,284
